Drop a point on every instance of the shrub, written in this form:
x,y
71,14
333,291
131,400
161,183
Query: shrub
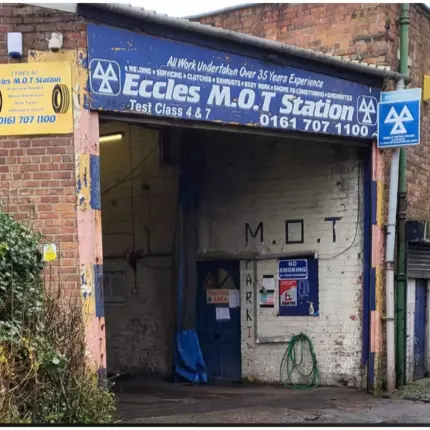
x,y
44,375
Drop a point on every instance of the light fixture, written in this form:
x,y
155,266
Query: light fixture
x,y
111,137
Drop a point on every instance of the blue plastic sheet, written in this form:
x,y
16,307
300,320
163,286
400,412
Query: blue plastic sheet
x,y
190,364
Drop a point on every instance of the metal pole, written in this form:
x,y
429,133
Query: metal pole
x,y
389,263
401,222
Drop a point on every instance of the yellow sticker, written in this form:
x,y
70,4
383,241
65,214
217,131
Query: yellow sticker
x,y
50,252
36,98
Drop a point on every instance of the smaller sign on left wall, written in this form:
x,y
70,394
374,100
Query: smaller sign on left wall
x,y
36,98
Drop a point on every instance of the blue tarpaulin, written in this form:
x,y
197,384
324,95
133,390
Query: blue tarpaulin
x,y
189,362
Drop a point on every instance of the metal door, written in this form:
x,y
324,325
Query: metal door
x,y
219,330
420,329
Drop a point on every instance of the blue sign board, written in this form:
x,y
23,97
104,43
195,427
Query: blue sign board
x,y
152,76
399,118
293,269
298,287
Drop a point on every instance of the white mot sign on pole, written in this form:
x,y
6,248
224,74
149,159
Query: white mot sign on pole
x,y
399,118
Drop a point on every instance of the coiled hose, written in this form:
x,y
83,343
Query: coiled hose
x,y
292,362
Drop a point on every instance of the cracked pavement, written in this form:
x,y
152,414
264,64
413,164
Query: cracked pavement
x,y
144,401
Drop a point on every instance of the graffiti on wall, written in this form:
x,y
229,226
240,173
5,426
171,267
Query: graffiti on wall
x,y
248,332
294,231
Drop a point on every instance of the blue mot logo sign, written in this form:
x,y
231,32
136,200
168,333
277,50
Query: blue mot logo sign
x,y
147,75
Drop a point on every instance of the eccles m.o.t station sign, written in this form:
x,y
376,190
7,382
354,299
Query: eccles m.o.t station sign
x,y
147,75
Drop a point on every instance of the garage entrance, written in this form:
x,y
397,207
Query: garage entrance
x,y
220,210
236,198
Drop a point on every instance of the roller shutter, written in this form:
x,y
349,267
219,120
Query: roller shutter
x,y
419,261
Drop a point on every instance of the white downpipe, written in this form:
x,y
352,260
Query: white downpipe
x,y
389,273
389,262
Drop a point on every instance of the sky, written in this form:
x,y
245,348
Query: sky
x,y
183,8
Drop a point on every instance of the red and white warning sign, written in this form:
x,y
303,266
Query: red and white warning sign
x,y
288,293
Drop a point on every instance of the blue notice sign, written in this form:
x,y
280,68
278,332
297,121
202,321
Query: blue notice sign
x,y
293,269
399,118
146,75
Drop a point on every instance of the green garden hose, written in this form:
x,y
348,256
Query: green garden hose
x,y
292,362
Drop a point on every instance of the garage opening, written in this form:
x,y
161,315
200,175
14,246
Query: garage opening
x,y
220,211
142,188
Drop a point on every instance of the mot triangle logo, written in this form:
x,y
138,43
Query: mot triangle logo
x,y
367,107
106,73
394,118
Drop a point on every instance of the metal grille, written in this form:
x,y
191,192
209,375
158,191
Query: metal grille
x,y
419,261
114,287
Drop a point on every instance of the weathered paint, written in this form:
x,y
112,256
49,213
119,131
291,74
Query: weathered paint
x,y
89,228
377,288
83,180
95,182
97,243
88,290
85,228
87,135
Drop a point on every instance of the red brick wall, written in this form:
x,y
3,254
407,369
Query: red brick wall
x,y
357,31
36,24
37,183
37,173
366,32
418,174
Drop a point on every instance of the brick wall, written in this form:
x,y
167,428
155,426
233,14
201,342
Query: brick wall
x,y
418,174
37,184
366,32
247,180
358,31
37,173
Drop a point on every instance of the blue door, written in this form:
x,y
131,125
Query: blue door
x,y
420,329
218,318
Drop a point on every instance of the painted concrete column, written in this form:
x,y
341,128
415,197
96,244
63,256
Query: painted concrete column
x,y
87,159
88,203
377,286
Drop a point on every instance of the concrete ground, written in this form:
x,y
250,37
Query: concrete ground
x,y
144,401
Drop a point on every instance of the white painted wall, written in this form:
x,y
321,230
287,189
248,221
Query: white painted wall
x,y
140,330
251,182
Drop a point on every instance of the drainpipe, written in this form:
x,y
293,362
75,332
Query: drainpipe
x,y
389,265
401,221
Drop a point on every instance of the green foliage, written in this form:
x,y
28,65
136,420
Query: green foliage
x,y
44,374
20,267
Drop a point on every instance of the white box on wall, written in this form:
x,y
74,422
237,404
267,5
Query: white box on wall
x,y
14,45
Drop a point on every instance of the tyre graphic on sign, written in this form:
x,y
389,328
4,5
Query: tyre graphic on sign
x,y
1,101
60,99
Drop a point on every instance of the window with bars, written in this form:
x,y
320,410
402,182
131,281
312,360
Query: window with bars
x,y
114,287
